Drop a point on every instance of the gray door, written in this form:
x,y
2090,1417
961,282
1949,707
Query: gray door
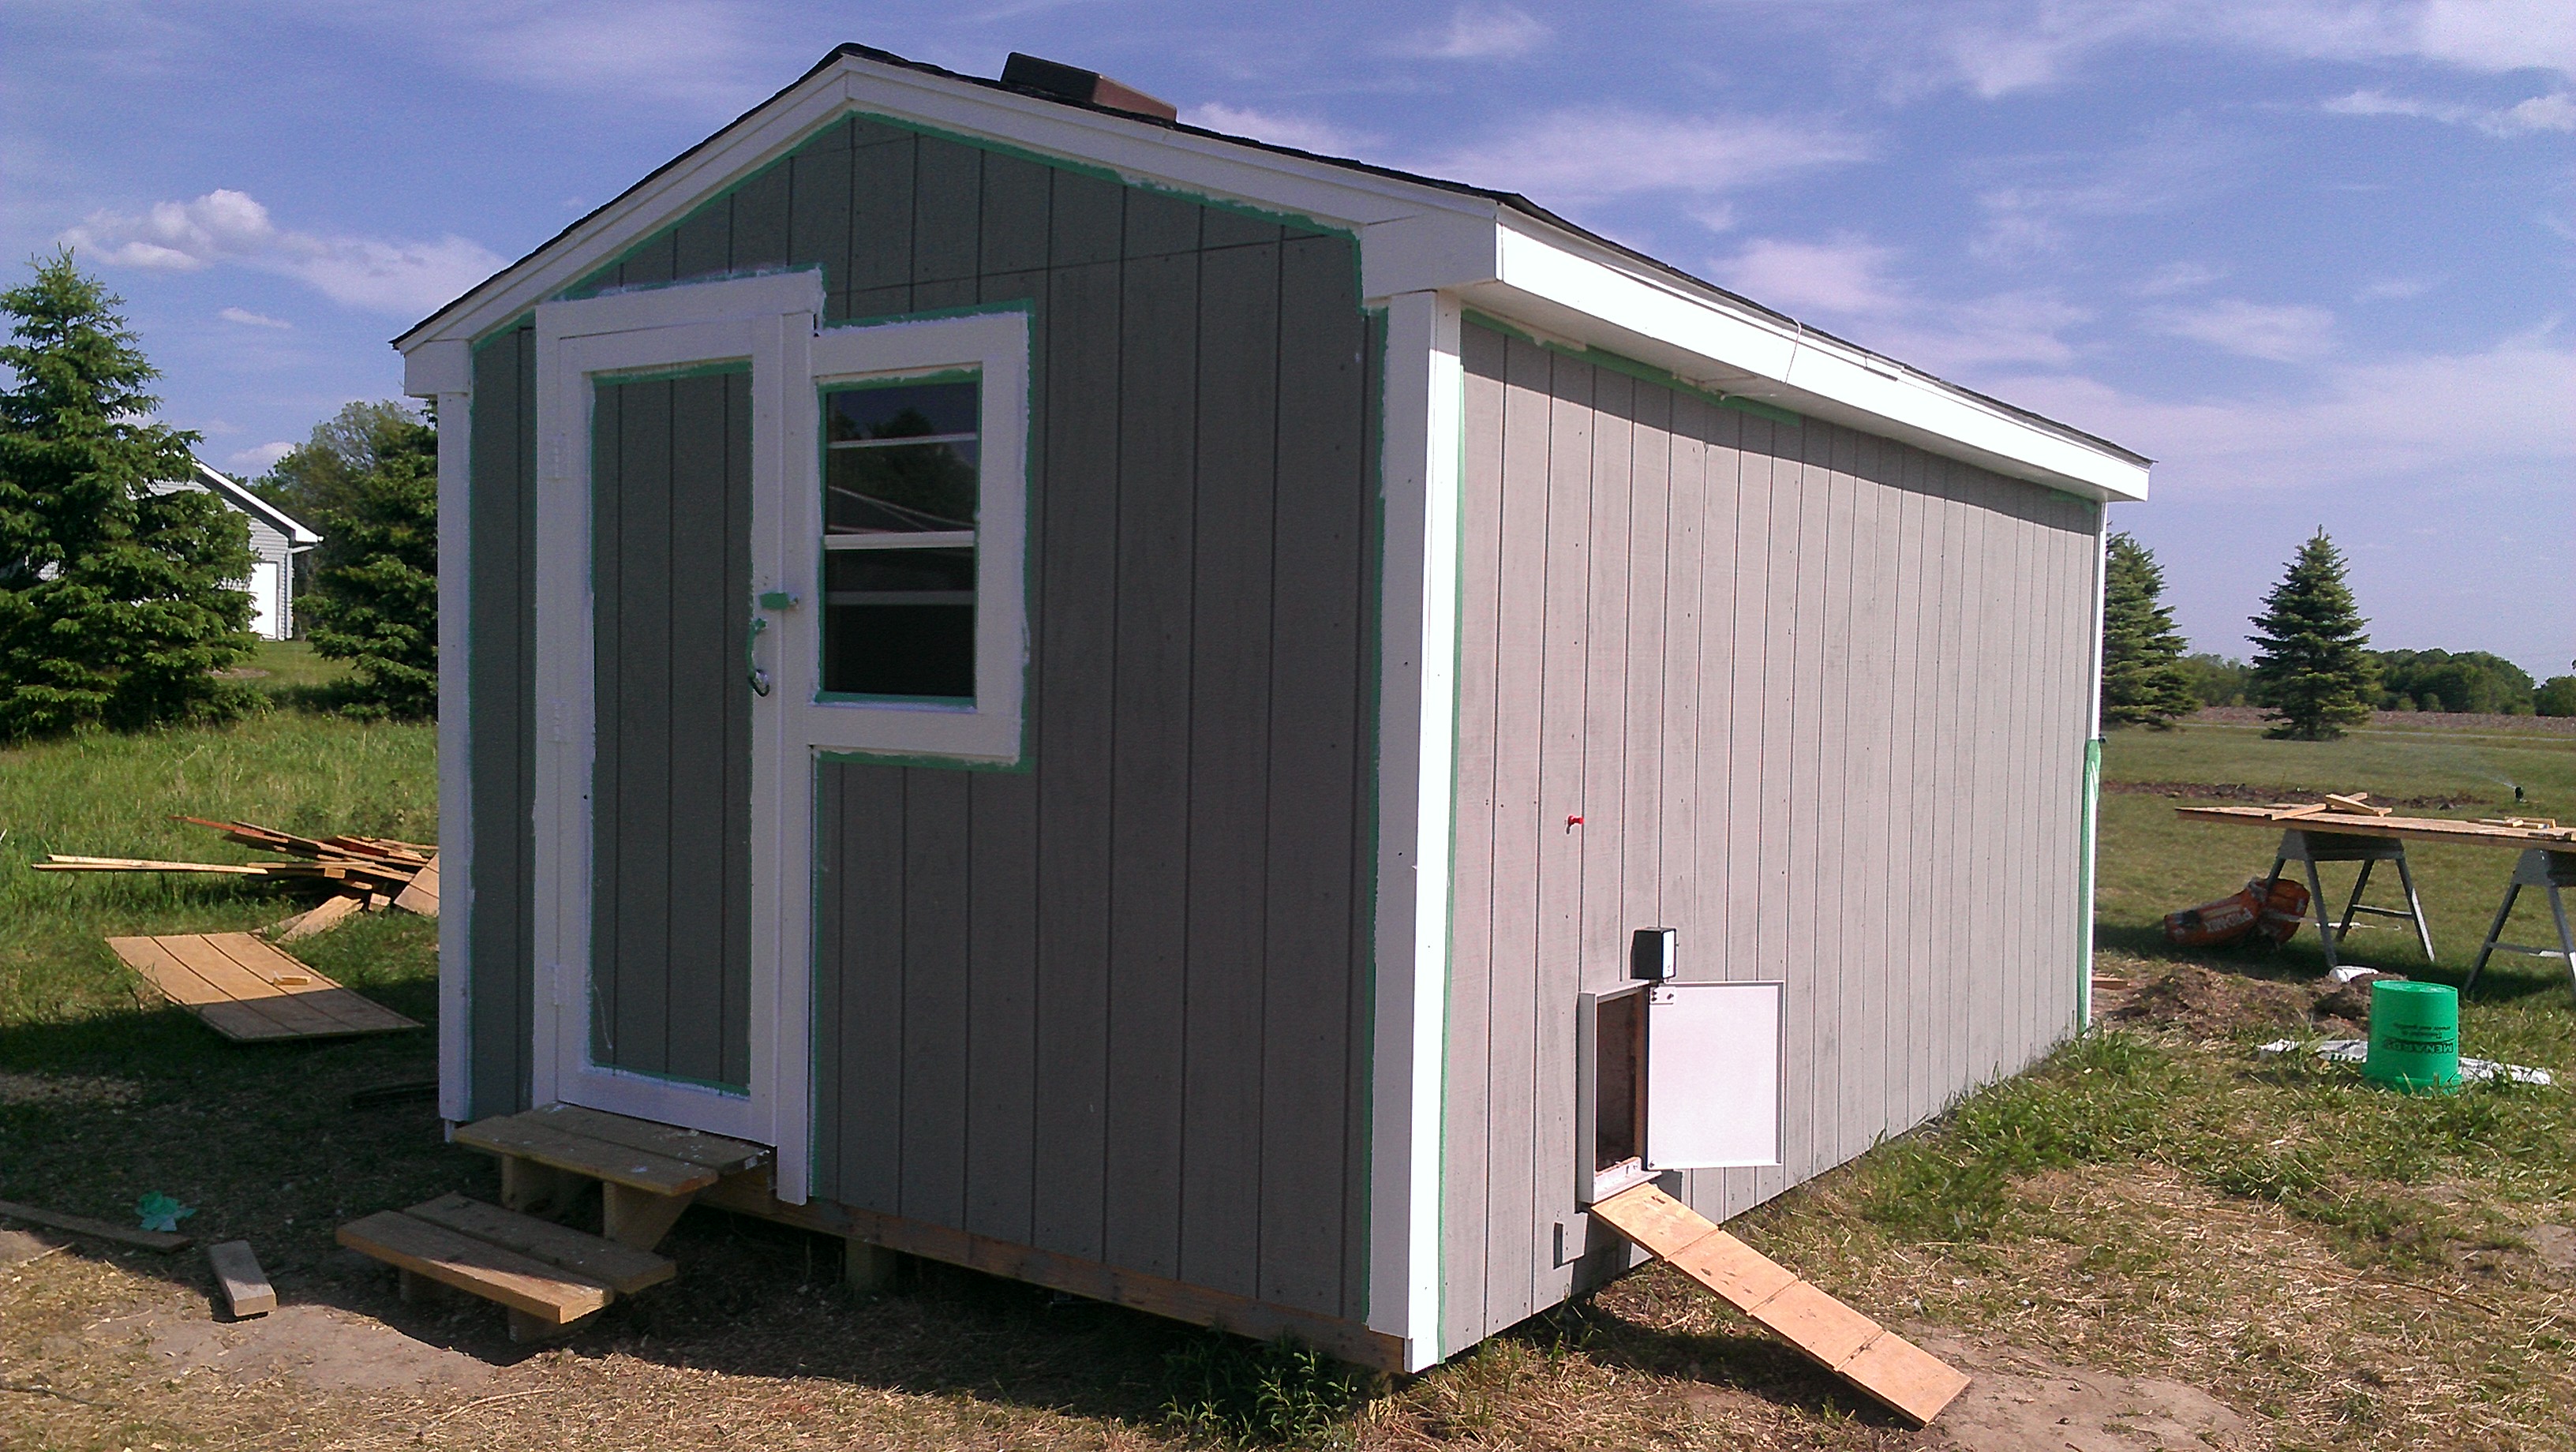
x,y
670,942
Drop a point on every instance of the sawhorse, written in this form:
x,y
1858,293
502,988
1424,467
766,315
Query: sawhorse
x,y
2311,848
2548,871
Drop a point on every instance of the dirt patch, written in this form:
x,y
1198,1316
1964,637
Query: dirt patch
x,y
2237,791
2020,1403
326,1348
2214,1005
65,1090
2555,1245
17,1247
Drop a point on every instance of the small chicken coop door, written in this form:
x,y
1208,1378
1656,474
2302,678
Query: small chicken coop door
x,y
1675,1076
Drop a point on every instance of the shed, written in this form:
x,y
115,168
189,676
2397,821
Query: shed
x,y
276,538
1230,730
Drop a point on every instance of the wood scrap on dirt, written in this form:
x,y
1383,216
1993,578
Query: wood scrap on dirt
x,y
373,872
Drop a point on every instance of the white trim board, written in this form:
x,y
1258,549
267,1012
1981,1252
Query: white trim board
x,y
1414,237
1417,713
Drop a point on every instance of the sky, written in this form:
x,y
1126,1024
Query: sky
x,y
2313,256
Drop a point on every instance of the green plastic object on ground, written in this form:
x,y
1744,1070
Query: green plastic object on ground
x,y
2414,1037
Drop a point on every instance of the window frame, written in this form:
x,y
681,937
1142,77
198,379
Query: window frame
x,y
971,539
987,731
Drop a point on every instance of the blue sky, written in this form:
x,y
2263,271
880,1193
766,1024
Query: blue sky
x,y
2314,256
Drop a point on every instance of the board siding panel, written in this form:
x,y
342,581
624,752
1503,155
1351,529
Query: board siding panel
x,y
1114,1005
1818,698
501,724
671,810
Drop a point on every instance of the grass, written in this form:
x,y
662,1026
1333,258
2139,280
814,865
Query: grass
x,y
2342,1267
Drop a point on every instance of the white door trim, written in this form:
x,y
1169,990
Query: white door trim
x,y
768,322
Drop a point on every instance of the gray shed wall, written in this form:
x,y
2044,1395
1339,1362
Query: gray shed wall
x,y
1115,1004
1821,701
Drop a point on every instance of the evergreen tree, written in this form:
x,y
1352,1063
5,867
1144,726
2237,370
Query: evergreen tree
x,y
2312,663
117,603
373,472
2144,682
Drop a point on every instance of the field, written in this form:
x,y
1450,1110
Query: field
x,y
2159,1238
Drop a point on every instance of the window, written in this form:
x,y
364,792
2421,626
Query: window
x,y
913,535
901,493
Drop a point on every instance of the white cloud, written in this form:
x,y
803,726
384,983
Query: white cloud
x,y
2498,414
249,319
399,277
2181,163
1482,32
2553,112
711,56
2283,333
1302,132
1573,157
1848,285
2396,289
2000,47
252,462
2178,277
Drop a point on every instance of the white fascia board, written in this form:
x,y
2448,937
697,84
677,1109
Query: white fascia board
x,y
1140,152
238,495
1595,298
433,368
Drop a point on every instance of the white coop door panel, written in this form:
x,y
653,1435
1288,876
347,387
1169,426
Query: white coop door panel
x,y
1712,1075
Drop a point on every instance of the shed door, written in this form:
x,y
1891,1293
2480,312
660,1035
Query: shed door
x,y
662,993
264,595
1712,1075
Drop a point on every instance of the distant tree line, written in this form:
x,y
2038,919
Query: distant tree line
x,y
2312,670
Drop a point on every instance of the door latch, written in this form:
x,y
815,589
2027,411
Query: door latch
x,y
751,656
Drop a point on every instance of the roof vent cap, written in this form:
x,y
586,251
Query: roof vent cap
x,y
1072,83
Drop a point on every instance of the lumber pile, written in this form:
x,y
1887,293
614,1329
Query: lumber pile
x,y
378,872
2355,815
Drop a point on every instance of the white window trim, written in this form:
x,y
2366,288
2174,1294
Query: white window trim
x,y
989,731
768,322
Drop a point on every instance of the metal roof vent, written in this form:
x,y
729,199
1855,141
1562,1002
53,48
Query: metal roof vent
x,y
1072,83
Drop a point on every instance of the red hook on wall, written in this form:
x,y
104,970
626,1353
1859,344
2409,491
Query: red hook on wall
x,y
1573,822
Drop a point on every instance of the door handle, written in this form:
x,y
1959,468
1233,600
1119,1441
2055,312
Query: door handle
x,y
769,600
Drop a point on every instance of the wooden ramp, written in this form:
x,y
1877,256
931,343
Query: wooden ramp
x,y
551,1277
250,992
1892,1370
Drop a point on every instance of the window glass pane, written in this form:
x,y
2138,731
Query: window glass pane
x,y
900,622
900,462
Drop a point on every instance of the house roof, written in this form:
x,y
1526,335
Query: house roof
x,y
2124,478
238,495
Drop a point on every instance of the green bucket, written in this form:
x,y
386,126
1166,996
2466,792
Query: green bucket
x,y
2414,1037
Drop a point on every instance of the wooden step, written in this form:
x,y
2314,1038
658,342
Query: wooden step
x,y
654,1158
1891,1369
549,1276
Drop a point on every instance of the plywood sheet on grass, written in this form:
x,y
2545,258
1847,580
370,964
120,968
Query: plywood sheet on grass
x,y
248,991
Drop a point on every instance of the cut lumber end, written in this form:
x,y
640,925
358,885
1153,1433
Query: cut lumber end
x,y
246,1286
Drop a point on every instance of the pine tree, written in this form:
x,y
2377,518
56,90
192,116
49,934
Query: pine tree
x,y
375,591
117,603
2144,682
2312,663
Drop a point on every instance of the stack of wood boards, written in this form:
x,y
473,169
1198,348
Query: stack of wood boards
x,y
380,871
250,992
1891,1369
2350,817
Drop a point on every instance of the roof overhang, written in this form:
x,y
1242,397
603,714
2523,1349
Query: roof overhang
x,y
239,496
1486,249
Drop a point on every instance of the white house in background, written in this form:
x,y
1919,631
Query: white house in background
x,y
276,538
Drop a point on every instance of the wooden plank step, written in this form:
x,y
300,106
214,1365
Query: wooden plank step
x,y
526,1136
1892,1370
711,1151
618,1267
549,1294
